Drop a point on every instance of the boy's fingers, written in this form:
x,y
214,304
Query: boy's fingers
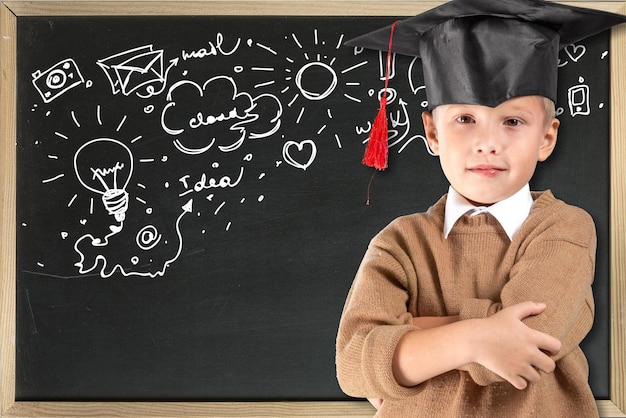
x,y
545,342
518,382
525,309
531,375
549,345
544,363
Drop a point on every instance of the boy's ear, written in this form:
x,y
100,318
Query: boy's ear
x,y
549,140
430,130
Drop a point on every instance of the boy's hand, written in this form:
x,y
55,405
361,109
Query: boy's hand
x,y
506,346
376,402
423,322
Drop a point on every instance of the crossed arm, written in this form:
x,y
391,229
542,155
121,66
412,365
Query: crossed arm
x,y
502,343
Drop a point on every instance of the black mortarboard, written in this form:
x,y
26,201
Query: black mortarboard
x,y
488,51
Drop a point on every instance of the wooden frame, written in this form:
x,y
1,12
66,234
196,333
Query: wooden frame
x,y
10,10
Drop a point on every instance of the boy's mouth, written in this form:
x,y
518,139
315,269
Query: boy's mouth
x,y
486,170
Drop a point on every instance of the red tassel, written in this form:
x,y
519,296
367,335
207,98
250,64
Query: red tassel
x,y
377,149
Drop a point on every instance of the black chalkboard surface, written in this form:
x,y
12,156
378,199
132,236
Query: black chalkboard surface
x,y
191,203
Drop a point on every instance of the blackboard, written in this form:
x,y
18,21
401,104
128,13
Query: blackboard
x,y
218,267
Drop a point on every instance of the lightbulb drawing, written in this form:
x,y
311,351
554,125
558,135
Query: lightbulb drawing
x,y
104,166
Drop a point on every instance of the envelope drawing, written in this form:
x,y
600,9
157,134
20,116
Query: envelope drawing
x,y
134,69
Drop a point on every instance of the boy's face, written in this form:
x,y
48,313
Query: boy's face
x,y
488,154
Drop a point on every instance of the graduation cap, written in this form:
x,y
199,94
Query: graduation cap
x,y
485,52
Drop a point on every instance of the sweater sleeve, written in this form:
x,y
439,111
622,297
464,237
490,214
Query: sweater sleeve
x,y
374,319
556,267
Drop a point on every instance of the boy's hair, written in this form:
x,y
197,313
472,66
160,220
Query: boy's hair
x,y
550,108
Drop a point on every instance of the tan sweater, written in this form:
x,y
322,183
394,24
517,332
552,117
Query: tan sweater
x,y
410,270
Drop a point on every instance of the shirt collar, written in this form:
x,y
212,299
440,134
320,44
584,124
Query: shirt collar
x,y
510,212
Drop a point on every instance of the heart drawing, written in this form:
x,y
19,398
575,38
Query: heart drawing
x,y
575,52
299,154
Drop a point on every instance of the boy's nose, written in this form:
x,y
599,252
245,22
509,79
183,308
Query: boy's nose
x,y
486,141
486,146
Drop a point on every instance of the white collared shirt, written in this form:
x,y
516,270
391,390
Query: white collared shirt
x,y
510,212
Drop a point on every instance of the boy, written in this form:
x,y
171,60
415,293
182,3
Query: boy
x,y
477,306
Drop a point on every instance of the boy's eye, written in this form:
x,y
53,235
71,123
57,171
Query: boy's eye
x,y
464,119
513,122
